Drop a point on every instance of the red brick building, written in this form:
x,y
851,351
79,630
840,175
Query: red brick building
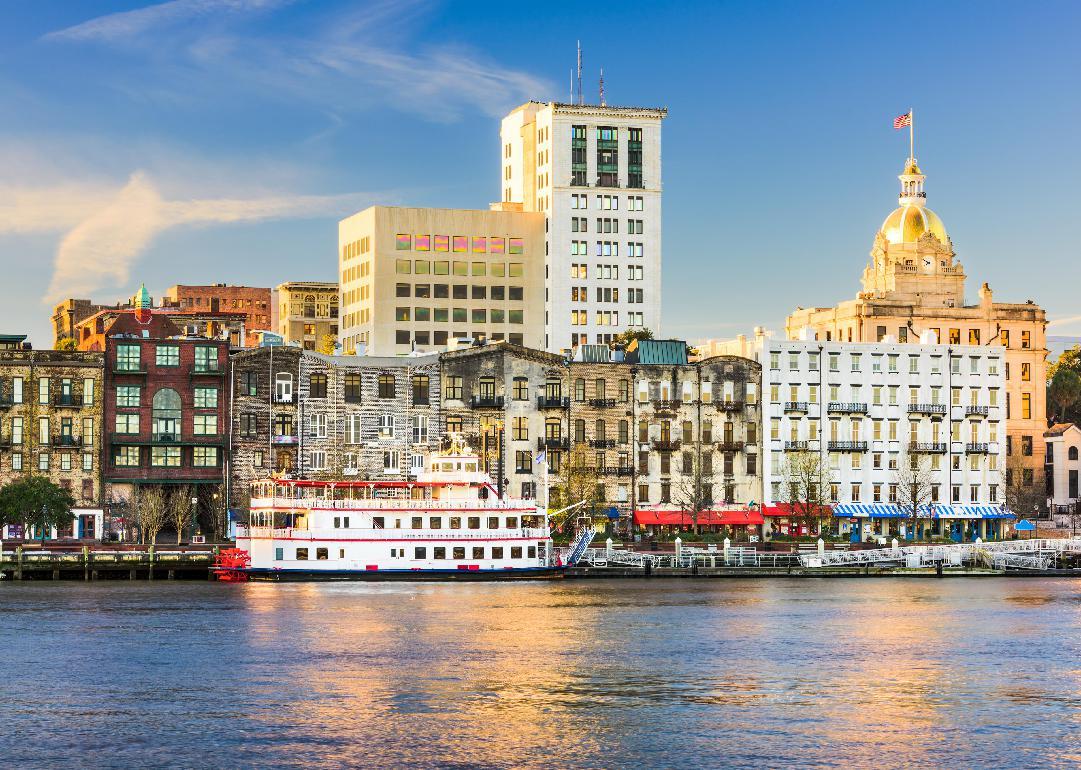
x,y
253,301
166,407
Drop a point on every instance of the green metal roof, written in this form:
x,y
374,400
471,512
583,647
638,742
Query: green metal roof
x,y
672,352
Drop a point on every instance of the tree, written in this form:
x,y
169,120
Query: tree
x,y
807,485
1064,391
625,338
1068,359
37,502
1024,497
578,480
151,508
691,492
67,343
328,343
180,510
914,480
218,507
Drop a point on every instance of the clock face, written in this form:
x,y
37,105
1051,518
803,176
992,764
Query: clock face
x,y
926,263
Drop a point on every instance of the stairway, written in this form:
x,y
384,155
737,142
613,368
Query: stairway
x,y
585,537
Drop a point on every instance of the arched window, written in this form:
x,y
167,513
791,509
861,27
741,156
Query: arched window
x,y
309,306
167,415
1073,453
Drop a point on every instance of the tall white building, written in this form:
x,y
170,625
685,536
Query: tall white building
x,y
865,406
595,172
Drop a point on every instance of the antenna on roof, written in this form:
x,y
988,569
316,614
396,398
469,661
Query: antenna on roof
x,y
571,100
602,86
580,72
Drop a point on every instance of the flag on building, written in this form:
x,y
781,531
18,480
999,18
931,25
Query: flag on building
x,y
540,457
903,120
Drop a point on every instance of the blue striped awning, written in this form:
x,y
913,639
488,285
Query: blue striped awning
x,y
932,511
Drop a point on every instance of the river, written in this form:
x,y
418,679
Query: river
x,y
886,672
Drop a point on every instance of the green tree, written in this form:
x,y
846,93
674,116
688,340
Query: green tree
x,y
625,338
36,502
1069,359
327,344
67,343
1064,391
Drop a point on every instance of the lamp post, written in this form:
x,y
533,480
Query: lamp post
x,y
194,503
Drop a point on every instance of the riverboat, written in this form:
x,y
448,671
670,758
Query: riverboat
x,y
448,521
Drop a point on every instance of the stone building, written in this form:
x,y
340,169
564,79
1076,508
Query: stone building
x,y
914,284
253,301
307,312
1063,444
310,415
51,413
165,408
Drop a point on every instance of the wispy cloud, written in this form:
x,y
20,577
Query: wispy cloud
x,y
1065,321
130,24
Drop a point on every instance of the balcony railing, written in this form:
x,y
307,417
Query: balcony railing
x,y
729,446
69,399
6,401
666,446
616,470
283,440
931,409
552,443
65,440
208,371
847,446
666,404
928,447
553,402
729,405
976,411
979,448
486,402
602,403
797,446
285,398
602,443
846,407
795,406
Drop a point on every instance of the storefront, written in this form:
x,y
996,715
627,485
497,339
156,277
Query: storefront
x,y
870,522
742,523
86,524
782,519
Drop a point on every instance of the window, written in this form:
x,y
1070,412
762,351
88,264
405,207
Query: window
x,y
166,414
248,425
127,358
420,389
205,457
249,384
205,398
386,426
165,456
206,358
420,428
283,387
126,457
317,386
167,355
386,386
352,384
205,424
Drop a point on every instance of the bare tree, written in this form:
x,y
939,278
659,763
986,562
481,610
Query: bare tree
x,y
914,480
692,492
578,480
151,509
219,510
807,483
1024,497
180,510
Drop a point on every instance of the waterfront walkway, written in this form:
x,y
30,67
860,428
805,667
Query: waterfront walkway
x,y
100,562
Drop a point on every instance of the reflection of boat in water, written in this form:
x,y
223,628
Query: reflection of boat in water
x,y
448,523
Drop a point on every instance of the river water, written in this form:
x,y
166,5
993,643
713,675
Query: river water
x,y
886,672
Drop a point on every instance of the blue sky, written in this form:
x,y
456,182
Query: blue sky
x,y
195,141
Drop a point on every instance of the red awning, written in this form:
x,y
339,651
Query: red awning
x,y
705,518
784,510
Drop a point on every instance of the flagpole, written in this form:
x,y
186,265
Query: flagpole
x,y
912,134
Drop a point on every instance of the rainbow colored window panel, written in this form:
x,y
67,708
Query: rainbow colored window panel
x,y
496,245
461,243
422,242
404,242
516,246
442,242
480,244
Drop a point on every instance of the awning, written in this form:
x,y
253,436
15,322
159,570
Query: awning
x,y
668,517
784,510
931,511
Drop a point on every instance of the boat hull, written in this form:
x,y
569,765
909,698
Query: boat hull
x,y
413,575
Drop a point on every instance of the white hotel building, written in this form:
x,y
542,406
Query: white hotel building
x,y
864,405
595,172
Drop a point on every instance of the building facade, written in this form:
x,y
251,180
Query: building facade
x,y
595,172
1062,444
166,408
864,408
308,313
253,301
914,284
414,278
51,413
68,313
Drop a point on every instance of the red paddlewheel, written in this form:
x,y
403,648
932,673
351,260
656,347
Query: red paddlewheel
x,y
230,563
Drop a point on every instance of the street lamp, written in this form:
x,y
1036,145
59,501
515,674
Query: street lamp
x,y
194,502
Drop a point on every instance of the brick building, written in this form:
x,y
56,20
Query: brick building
x,y
51,415
165,407
254,302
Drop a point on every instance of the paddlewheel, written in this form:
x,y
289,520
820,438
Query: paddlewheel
x,y
229,565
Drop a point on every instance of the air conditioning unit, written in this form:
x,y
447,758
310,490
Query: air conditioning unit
x,y
198,539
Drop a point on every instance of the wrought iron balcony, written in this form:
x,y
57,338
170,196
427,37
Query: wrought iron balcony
x,y
602,443
979,448
729,406
553,402
846,407
65,439
931,409
208,371
976,411
729,446
616,470
666,404
928,447
847,446
795,406
486,402
797,446
68,399
285,398
666,446
553,443
602,403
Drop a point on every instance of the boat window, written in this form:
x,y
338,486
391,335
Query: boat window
x,y
337,522
321,554
377,522
493,522
439,552
420,553
279,554
459,552
532,552
516,552
341,553
512,522
471,467
474,522
345,522
478,552
435,522
497,552
302,554
455,522
418,522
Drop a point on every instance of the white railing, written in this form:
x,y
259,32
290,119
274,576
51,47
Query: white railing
x,y
266,503
293,533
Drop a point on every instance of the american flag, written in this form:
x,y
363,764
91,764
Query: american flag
x,y
903,120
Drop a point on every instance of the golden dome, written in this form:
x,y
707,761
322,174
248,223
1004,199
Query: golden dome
x,y
909,222
912,168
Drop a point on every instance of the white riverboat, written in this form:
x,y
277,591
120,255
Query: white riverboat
x,y
448,523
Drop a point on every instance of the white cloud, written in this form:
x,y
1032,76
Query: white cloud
x,y
1065,321
131,24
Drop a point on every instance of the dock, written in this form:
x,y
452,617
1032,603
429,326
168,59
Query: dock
x,y
102,563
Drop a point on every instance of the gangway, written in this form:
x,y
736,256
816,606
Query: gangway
x,y
1035,554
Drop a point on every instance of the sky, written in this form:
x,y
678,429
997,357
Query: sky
x,y
202,141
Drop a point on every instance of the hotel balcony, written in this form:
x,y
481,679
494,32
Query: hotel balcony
x,y
486,402
666,404
602,443
553,402
976,411
728,446
846,407
931,409
797,446
796,406
928,447
977,448
729,406
847,446
602,403
553,443
616,470
66,440
666,446
69,399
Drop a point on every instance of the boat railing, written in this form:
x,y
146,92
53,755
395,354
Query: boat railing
x,y
292,533
391,503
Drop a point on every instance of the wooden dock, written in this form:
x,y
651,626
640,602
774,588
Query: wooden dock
x,y
98,563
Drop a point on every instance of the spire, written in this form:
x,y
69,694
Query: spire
x,y
912,193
